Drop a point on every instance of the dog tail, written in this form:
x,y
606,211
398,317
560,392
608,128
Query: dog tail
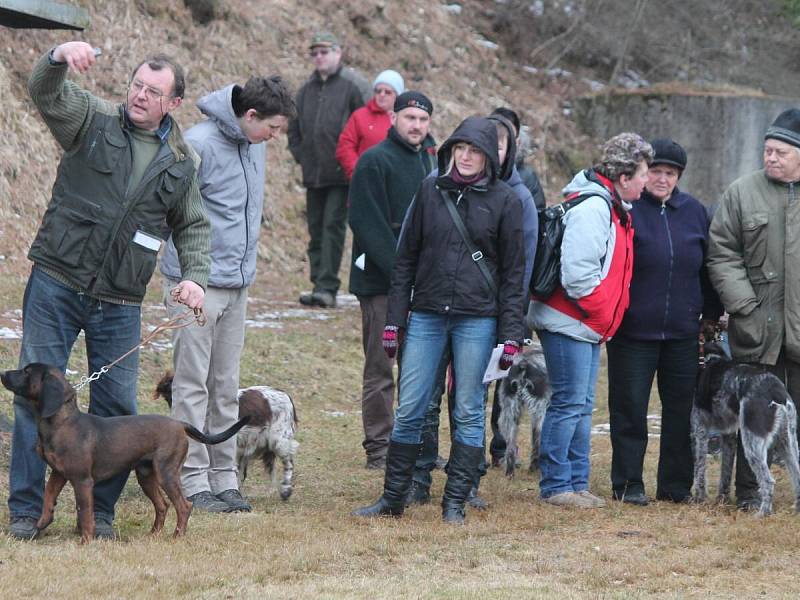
x,y
201,437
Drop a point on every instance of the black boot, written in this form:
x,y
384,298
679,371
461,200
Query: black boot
x,y
461,474
473,499
418,493
476,501
399,467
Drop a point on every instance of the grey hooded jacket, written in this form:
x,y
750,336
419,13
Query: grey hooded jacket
x,y
231,178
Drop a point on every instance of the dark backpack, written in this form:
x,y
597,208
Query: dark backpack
x,y
546,274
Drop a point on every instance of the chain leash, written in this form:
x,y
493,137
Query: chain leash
x,y
182,320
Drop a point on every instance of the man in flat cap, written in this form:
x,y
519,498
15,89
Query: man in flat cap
x,y
753,264
324,103
385,180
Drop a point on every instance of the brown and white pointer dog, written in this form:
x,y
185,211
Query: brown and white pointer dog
x,y
270,434
82,448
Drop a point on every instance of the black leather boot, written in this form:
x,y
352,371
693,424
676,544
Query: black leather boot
x,y
461,475
399,467
418,494
476,501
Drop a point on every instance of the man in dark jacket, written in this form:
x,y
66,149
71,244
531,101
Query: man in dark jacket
x,y
384,182
126,182
324,104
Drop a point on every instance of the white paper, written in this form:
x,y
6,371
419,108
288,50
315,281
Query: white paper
x,y
361,261
493,370
148,241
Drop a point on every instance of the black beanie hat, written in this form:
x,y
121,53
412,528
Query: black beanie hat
x,y
413,99
786,127
668,152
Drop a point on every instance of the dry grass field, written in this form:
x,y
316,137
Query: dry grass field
x,y
309,547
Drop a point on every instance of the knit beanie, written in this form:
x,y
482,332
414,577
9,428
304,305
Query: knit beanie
x,y
412,99
668,152
786,127
391,78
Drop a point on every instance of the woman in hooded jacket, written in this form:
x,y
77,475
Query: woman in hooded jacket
x,y
465,299
585,310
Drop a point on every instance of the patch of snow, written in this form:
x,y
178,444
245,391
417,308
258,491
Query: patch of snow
x,y
10,334
334,413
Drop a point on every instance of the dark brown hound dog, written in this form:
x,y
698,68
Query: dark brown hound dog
x,y
82,448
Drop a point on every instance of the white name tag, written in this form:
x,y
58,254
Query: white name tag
x,y
148,241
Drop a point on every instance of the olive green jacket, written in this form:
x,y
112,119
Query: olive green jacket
x,y
754,264
97,235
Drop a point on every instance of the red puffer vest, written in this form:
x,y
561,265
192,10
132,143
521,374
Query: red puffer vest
x,y
602,310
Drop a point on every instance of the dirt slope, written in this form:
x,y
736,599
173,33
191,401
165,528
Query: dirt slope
x,y
435,49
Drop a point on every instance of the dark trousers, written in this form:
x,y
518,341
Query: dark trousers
x,y
497,447
377,396
632,365
326,213
788,371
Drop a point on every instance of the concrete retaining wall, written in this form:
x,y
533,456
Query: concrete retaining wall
x,y
723,135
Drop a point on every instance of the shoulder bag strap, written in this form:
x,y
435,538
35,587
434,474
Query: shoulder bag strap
x,y
477,255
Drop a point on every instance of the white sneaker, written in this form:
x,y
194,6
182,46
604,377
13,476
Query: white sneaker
x,y
569,499
598,502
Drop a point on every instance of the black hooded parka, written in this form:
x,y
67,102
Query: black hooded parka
x,y
432,258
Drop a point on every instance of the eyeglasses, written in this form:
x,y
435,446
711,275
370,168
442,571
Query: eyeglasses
x,y
319,51
150,93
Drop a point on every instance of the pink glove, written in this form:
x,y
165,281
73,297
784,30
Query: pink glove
x,y
510,349
391,340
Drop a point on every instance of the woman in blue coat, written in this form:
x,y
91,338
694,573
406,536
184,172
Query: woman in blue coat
x,y
670,293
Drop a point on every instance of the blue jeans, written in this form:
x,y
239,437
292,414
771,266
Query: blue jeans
x,y
52,317
471,340
567,428
426,461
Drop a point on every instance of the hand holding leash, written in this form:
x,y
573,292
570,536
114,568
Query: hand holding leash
x,y
189,293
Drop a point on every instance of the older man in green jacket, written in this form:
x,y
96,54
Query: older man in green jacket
x,y
754,264
126,182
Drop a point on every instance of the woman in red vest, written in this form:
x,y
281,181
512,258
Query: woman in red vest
x,y
585,311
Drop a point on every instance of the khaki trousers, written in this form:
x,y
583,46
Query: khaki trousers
x,y
206,384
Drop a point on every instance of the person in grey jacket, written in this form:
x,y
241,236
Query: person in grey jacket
x,y
232,148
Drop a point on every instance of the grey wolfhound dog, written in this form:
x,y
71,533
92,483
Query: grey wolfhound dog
x,y
733,397
525,387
